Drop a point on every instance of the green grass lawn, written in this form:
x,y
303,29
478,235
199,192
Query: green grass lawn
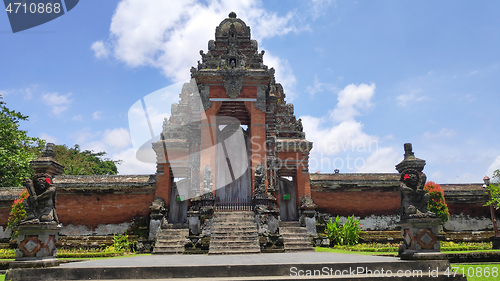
x,y
2,277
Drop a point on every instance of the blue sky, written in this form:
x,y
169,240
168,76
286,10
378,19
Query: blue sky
x,y
365,76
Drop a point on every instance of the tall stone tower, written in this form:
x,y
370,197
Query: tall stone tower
x,y
233,123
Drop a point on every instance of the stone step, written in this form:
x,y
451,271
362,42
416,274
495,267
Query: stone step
x,y
233,238
169,244
232,229
289,224
298,238
234,251
233,243
234,233
241,222
251,271
170,240
295,239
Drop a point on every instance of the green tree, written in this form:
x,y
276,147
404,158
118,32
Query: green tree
x,y
86,162
494,188
17,149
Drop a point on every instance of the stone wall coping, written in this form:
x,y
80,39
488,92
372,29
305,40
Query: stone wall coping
x,y
10,193
462,186
61,180
389,177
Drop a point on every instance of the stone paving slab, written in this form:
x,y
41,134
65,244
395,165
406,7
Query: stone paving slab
x,y
255,267
252,259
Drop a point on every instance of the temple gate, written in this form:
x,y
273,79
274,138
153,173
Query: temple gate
x,y
232,136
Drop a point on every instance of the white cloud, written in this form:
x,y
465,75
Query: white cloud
x,y
382,160
77,118
339,140
117,138
319,87
472,73
319,7
48,138
443,133
494,166
141,33
353,101
436,176
131,165
97,115
96,146
343,137
26,92
117,145
59,103
465,178
83,136
404,100
100,50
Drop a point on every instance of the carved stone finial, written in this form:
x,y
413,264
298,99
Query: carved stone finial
x,y
408,150
49,150
232,15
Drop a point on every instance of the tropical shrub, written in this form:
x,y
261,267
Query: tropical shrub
x,y
332,231
17,213
437,204
121,243
346,234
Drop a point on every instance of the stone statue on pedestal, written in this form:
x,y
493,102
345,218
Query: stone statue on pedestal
x,y
419,227
41,204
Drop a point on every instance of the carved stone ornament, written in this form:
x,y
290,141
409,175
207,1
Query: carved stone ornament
x,y
233,84
261,98
260,178
207,180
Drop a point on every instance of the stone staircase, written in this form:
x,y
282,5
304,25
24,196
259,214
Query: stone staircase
x,y
170,240
295,238
234,233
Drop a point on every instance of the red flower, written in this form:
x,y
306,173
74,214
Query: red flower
x,y
406,177
47,180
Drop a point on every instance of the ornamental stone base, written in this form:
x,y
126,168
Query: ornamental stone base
x,y
36,245
421,239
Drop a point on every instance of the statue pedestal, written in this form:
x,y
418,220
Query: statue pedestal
x,y
36,245
421,239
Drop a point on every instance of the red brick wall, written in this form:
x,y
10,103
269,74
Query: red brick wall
x,y
5,207
94,209
360,203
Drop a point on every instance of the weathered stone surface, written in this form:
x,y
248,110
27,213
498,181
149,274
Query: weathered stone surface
x,y
311,225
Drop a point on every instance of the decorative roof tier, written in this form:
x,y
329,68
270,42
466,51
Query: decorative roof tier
x,y
232,48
